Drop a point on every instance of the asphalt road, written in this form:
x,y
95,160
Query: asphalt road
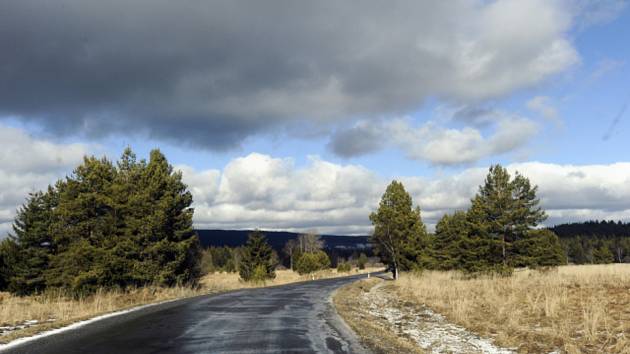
x,y
294,318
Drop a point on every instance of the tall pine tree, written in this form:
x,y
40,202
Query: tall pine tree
x,y
449,244
399,235
501,214
31,246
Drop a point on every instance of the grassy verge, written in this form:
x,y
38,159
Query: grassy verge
x,y
577,309
52,310
374,334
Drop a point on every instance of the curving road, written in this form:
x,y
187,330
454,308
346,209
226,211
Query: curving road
x,y
294,318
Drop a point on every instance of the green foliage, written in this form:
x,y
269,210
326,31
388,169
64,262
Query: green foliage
x,y
400,237
498,232
220,259
8,255
501,214
591,248
30,245
344,267
451,241
258,260
109,226
260,274
538,248
362,261
310,262
602,255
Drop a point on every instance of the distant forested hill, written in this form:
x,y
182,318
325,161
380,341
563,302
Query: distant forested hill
x,y
610,229
341,245
595,241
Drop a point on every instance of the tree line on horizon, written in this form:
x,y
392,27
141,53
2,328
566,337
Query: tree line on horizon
x,y
595,242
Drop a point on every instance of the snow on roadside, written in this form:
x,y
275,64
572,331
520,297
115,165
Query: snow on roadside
x,y
430,330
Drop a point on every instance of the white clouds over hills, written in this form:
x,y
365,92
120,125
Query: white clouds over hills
x,y
273,193
262,191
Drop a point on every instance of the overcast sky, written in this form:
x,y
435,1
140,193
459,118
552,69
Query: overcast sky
x,y
294,115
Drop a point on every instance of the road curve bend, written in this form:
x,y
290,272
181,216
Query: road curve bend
x,y
293,318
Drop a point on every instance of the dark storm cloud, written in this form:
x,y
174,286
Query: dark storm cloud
x,y
358,140
214,72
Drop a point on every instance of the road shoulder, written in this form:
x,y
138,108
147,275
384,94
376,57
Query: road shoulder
x,y
373,333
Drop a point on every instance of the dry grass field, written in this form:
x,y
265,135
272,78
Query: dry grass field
x,y
572,309
52,310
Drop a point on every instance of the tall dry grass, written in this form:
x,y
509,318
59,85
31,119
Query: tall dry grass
x,y
55,309
576,309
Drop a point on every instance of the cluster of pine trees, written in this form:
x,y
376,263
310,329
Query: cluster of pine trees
x,y
595,242
497,233
105,226
220,259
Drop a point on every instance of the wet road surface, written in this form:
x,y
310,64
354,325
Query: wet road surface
x,y
294,318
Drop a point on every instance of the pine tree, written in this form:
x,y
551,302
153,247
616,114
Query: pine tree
x,y
502,212
170,247
451,234
107,225
32,244
83,229
539,248
602,254
399,235
257,255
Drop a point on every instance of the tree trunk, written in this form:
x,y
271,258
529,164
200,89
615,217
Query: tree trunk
x,y
503,249
395,272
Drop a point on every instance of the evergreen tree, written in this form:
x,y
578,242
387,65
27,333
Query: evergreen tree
x,y
257,255
399,235
539,248
31,244
84,228
576,252
602,254
502,212
449,244
171,250
107,225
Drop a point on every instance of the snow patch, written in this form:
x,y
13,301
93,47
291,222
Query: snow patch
x,y
430,330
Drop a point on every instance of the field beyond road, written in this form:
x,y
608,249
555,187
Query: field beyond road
x,y
569,309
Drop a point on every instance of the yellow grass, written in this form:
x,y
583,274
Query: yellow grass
x,y
55,310
576,309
